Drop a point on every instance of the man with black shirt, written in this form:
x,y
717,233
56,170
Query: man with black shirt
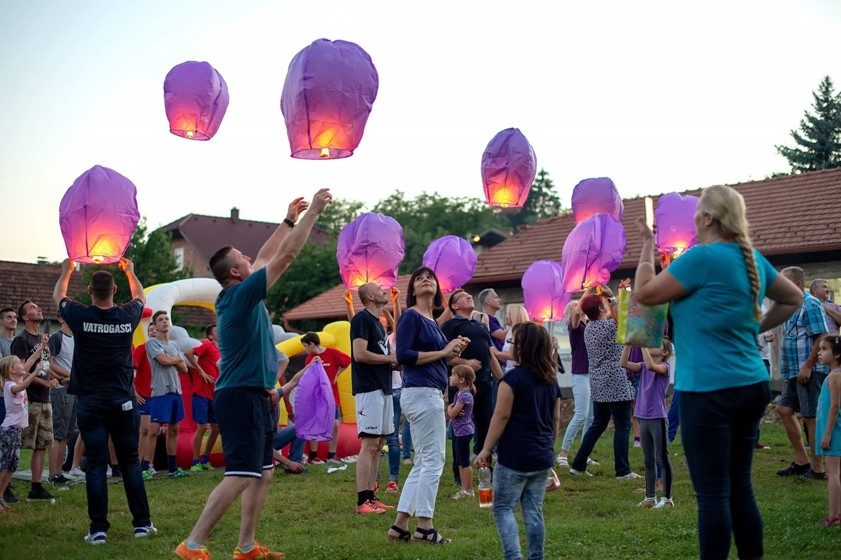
x,y
371,385
31,347
478,355
102,380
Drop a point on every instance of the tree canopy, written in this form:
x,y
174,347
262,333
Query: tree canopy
x,y
818,141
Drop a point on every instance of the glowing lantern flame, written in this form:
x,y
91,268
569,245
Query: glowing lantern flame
x,y
596,196
592,250
508,169
675,219
196,98
328,94
370,249
97,215
453,260
543,291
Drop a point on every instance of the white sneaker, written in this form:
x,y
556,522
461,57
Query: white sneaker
x,y
579,473
592,463
637,443
630,476
461,494
665,503
152,469
76,472
649,503
108,472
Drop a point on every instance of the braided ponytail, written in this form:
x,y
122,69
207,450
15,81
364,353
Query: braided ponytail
x,y
753,273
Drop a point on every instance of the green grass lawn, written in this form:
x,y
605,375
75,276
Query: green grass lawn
x,y
311,516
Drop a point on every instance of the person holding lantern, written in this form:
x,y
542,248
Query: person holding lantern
x,y
716,288
243,396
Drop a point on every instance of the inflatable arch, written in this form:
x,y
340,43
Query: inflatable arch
x,y
202,292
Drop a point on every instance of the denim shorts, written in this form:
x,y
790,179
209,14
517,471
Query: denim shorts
x,y
802,397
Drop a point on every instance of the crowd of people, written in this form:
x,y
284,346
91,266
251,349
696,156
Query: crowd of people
x,y
446,367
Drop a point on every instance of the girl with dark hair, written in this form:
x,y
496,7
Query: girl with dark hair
x,y
423,351
524,428
829,425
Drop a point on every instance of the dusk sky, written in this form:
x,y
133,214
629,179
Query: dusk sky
x,y
660,96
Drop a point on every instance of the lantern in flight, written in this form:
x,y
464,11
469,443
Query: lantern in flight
x,y
196,98
97,215
453,260
675,219
592,250
596,196
543,291
329,90
508,169
370,249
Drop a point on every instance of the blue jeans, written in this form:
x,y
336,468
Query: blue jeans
x,y
621,413
393,441
286,436
583,415
674,416
528,488
407,440
98,418
719,434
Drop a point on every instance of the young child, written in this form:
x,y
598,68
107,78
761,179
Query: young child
x,y
653,416
15,380
829,424
461,413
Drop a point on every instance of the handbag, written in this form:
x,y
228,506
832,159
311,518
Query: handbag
x,y
640,325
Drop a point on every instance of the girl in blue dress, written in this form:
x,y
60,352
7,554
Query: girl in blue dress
x,y
829,424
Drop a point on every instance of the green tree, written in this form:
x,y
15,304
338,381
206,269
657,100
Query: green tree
x,y
543,202
818,142
153,263
429,216
338,214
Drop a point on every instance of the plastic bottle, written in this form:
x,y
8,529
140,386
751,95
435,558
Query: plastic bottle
x,y
486,491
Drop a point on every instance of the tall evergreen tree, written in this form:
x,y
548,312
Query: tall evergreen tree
x,y
818,141
543,202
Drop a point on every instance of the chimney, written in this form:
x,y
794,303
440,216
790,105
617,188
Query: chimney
x,y
42,260
234,215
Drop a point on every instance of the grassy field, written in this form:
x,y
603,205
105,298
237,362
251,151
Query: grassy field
x,y
311,516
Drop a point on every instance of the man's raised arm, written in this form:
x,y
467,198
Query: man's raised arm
x,y
60,290
270,247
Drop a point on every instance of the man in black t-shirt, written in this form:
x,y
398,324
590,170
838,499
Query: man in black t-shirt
x,y
478,355
371,384
102,379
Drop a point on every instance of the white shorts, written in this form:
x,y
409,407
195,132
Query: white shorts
x,y
374,414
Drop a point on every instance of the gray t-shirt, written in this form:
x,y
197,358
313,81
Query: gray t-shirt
x,y
5,347
61,348
164,378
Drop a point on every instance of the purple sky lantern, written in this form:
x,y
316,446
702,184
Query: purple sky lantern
x,y
453,260
508,169
596,196
675,219
329,90
196,98
97,215
543,291
370,249
592,250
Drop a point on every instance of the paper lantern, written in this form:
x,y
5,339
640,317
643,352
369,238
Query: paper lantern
x,y
97,215
327,96
196,98
596,196
453,260
543,291
370,249
508,169
593,249
675,219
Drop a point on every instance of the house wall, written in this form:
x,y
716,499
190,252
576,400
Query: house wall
x,y
192,260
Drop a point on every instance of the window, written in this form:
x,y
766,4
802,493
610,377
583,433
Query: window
x,y
178,255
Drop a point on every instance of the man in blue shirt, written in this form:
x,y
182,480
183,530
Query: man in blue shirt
x,y
247,374
802,378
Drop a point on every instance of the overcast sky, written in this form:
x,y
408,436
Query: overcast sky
x,y
659,96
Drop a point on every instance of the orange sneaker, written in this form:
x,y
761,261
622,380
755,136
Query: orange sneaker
x,y
378,503
369,507
258,553
190,554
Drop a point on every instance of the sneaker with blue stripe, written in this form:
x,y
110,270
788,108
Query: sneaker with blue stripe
x,y
95,538
140,532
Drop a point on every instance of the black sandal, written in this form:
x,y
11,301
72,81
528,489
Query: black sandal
x,y
430,536
402,535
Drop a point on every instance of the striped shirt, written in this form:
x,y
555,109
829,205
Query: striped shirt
x,y
801,331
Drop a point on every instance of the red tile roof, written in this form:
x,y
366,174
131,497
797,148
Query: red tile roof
x,y
331,304
787,215
22,281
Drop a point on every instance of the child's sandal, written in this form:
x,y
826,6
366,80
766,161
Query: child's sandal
x,y
400,534
829,521
430,536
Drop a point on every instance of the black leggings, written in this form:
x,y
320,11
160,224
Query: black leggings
x,y
719,434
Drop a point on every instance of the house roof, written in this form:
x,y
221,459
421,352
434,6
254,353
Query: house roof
x,y
22,281
331,304
794,214
206,234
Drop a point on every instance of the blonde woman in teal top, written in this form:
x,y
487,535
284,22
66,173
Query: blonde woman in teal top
x,y
716,289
